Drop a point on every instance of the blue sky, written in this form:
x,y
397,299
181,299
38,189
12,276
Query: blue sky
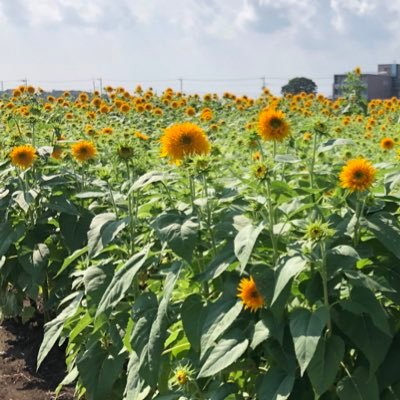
x,y
67,43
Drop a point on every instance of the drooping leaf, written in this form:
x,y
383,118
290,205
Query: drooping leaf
x,y
325,363
276,384
179,231
244,243
358,386
306,328
227,350
121,282
103,229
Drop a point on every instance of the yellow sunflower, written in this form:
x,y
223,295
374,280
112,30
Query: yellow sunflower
x,y
357,175
83,150
251,297
272,125
183,140
23,156
387,143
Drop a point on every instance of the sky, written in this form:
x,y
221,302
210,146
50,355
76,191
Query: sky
x,y
213,45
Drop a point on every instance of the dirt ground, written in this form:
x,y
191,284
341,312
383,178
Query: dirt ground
x,y
19,345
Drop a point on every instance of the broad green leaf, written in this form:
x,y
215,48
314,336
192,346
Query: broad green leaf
x,y
287,158
331,143
362,332
52,329
276,384
192,315
359,386
386,229
288,268
99,369
389,371
103,229
325,363
261,333
179,231
244,243
219,264
74,229
69,260
147,179
63,205
306,328
341,258
228,349
219,316
121,282
9,235
158,332
134,384
363,301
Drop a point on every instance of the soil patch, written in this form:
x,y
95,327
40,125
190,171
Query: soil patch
x,y
19,346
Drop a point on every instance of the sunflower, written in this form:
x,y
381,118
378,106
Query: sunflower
x,y
357,175
23,156
181,140
250,295
272,125
83,150
387,143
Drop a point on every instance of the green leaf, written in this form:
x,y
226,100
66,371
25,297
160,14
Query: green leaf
x,y
147,179
63,205
363,301
276,384
99,369
244,243
192,315
219,316
158,332
8,236
341,258
325,363
134,384
103,229
69,260
179,231
362,332
386,229
261,333
306,328
331,143
288,268
358,386
121,282
287,158
52,329
96,280
228,349
389,371
219,264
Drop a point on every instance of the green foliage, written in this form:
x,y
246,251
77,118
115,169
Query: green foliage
x,y
299,85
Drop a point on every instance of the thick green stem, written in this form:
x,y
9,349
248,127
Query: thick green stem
x,y
271,221
132,211
359,212
312,163
45,289
324,275
209,216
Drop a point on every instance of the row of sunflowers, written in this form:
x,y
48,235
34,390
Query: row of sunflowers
x,y
205,247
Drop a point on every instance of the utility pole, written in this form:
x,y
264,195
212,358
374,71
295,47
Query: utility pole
x,y
25,81
262,82
101,86
94,85
2,85
181,85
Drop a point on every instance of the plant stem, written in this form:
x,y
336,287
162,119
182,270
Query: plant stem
x,y
324,276
271,221
312,164
132,215
359,212
209,216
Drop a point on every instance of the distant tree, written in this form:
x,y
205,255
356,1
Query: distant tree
x,y
298,85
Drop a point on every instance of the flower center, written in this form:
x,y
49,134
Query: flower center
x,y
186,140
275,123
358,175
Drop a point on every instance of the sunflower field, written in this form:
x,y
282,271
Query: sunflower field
x,y
206,247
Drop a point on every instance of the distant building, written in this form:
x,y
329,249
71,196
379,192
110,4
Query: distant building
x,y
381,85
